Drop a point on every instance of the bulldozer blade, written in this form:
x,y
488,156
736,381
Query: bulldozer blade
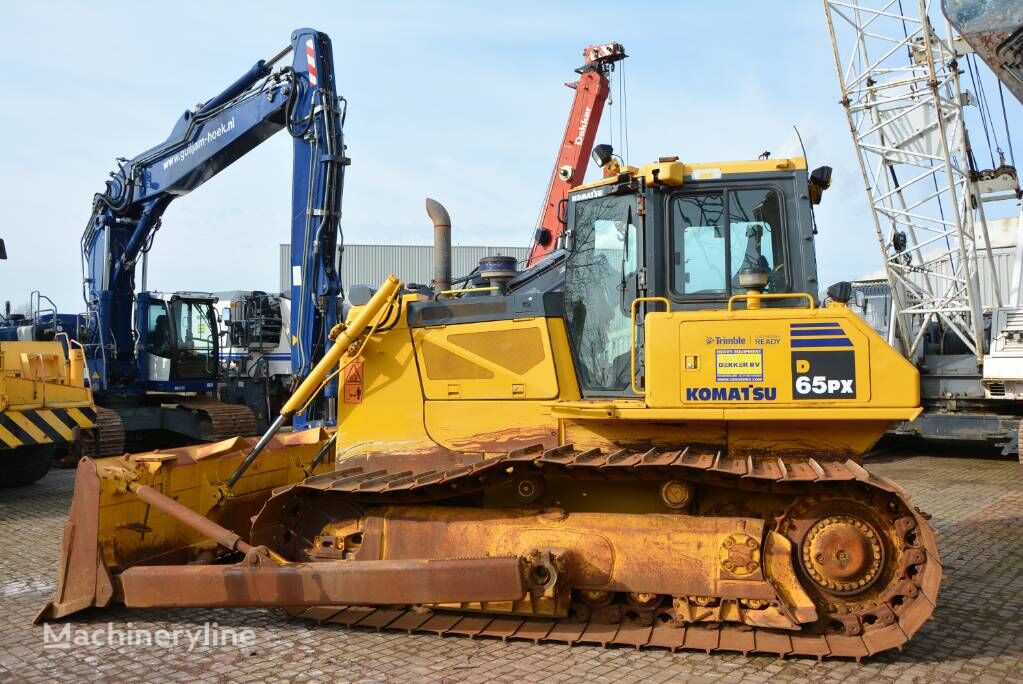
x,y
82,577
245,585
111,528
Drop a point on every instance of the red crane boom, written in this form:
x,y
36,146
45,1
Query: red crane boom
x,y
591,91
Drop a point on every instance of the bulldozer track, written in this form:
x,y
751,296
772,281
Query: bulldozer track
x,y
887,623
227,420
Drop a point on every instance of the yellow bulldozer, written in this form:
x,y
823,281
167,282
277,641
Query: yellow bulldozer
x,y
652,437
45,407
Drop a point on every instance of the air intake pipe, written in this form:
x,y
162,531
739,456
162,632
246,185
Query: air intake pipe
x,y
441,245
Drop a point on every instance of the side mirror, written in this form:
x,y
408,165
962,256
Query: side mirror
x,y
225,314
841,292
3,250
820,180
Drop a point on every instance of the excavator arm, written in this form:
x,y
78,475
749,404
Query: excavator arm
x,y
299,96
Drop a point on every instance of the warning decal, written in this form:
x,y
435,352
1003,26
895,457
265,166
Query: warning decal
x,y
353,372
353,383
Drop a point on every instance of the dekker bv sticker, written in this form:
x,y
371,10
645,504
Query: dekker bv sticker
x,y
739,365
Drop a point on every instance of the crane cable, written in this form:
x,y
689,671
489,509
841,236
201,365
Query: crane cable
x,y
1005,120
981,100
624,111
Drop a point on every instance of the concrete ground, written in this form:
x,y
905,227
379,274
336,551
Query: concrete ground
x,y
976,635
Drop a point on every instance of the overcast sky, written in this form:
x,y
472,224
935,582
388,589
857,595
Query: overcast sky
x,y
463,102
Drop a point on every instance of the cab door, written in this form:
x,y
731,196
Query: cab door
x,y
603,277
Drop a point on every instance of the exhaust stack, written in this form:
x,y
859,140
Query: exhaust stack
x,y
441,245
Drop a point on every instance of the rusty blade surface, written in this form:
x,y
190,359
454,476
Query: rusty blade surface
x,y
331,583
82,578
174,513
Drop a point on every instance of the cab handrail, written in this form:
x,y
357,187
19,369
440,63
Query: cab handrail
x,y
632,332
777,295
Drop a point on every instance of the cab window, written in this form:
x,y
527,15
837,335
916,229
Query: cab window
x,y
161,337
700,245
194,328
717,235
602,262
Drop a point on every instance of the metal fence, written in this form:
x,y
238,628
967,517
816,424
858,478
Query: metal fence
x,y
370,264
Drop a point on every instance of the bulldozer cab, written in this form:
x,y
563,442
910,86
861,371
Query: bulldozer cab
x,y
692,235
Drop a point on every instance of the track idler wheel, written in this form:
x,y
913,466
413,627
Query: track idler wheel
x,y
855,555
843,554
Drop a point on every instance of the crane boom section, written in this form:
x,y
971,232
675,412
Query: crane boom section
x,y
591,92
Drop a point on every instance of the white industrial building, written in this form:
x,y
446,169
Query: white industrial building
x,y
370,264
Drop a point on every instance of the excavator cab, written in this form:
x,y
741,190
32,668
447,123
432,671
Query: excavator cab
x,y
178,339
693,236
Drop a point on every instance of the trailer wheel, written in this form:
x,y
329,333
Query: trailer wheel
x,y
25,465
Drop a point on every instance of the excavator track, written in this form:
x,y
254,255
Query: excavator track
x,y
846,629
226,420
106,439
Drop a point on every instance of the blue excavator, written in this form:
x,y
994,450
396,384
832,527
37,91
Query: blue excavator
x,y
154,357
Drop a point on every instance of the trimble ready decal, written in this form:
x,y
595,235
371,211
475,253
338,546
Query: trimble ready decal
x,y
761,340
820,368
